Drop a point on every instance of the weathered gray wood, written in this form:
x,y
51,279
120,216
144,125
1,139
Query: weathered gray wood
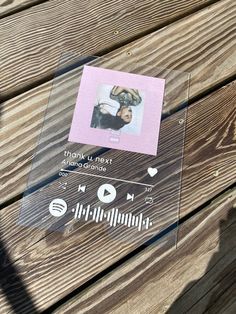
x,y
199,276
30,52
68,260
12,6
179,46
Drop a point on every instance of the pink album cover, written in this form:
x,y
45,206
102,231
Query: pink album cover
x,y
118,110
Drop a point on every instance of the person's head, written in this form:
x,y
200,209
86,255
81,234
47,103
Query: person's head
x,y
103,119
125,114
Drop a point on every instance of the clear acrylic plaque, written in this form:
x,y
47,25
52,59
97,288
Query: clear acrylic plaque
x,y
137,197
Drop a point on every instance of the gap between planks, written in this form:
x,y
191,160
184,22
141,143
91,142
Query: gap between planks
x,y
128,284
47,243
101,43
9,7
208,72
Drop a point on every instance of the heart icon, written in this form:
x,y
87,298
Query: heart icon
x,y
152,171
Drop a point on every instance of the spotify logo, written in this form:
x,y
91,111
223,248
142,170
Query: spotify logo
x,y
57,207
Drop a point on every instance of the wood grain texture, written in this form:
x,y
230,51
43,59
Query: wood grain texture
x,y
210,148
197,277
40,34
82,236
12,6
61,108
21,116
70,259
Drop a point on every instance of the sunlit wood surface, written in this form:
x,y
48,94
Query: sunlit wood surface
x,y
85,270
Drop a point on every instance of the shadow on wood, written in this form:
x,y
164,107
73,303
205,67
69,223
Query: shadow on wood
x,y
8,277
215,291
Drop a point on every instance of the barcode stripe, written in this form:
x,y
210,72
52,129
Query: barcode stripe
x,y
130,217
126,219
98,214
119,217
87,213
133,220
94,213
108,216
76,210
115,218
80,211
112,215
140,222
101,215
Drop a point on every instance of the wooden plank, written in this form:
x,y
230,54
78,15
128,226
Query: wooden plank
x,y
220,157
210,147
12,6
62,107
199,276
38,35
53,257
21,116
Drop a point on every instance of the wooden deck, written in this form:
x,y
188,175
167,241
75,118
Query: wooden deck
x,y
42,272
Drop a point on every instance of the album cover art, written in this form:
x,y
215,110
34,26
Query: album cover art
x,y
118,110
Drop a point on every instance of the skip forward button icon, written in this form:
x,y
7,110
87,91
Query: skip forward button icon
x,y
130,197
82,188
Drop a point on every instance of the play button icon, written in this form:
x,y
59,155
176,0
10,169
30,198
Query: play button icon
x,y
106,193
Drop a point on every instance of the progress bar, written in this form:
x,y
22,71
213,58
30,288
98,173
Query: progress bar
x,y
95,175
